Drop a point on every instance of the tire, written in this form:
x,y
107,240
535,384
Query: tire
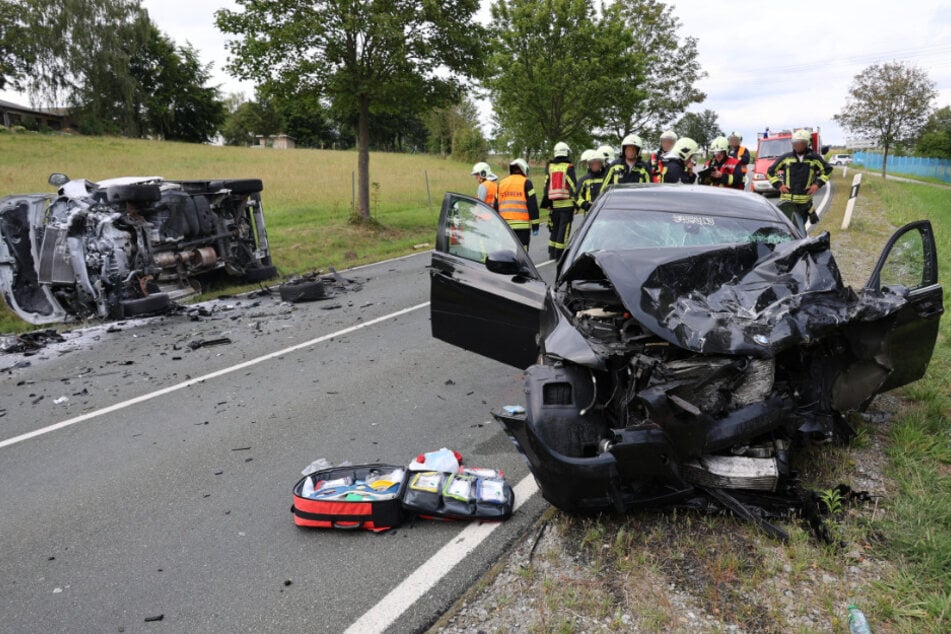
x,y
304,291
260,273
134,194
154,303
239,186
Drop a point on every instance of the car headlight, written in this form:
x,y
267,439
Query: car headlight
x,y
759,177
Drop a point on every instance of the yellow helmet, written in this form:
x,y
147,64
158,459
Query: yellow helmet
x,y
802,135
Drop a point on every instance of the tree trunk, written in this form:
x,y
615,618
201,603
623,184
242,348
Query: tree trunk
x,y
884,158
363,157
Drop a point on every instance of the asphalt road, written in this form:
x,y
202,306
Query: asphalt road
x,y
177,504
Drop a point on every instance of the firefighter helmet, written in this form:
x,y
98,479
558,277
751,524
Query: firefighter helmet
x,y
683,149
735,135
802,135
481,169
632,139
520,164
562,150
719,144
608,152
668,135
587,155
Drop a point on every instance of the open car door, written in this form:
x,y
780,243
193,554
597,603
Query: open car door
x,y
895,349
486,295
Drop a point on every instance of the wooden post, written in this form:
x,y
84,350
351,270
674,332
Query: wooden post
x,y
428,193
856,181
353,191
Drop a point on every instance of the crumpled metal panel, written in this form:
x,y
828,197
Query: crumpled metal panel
x,y
753,299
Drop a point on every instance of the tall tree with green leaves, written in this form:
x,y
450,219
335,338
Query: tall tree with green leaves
x,y
935,140
889,104
661,68
702,127
15,49
364,55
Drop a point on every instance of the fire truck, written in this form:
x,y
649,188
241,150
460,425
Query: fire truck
x,y
772,145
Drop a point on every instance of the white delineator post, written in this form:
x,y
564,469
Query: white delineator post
x,y
856,181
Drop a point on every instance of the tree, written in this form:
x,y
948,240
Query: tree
x,y
935,140
659,72
701,127
250,119
366,56
456,130
15,51
543,84
889,104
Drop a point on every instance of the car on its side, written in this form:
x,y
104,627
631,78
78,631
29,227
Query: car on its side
x,y
692,341
126,246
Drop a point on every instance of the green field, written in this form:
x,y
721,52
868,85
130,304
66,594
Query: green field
x,y
307,193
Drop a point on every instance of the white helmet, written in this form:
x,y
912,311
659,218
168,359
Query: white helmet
x,y
607,151
632,139
736,135
802,135
720,144
481,169
587,155
521,164
683,149
562,150
668,135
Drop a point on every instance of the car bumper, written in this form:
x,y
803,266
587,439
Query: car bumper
x,y
763,187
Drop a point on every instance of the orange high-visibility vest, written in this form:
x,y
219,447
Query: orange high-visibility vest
x,y
491,192
513,205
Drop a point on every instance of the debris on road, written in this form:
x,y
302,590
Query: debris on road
x,y
317,286
29,343
153,619
204,343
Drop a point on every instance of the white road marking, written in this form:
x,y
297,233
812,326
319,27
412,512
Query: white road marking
x,y
205,377
424,578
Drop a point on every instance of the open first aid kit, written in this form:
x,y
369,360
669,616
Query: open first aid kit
x,y
378,497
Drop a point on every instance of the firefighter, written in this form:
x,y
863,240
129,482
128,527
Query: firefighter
x,y
798,175
516,202
722,170
739,152
589,185
559,199
677,165
667,140
629,168
608,152
488,183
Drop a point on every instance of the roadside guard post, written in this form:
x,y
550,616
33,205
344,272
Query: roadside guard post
x,y
856,181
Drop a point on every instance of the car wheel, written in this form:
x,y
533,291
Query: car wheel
x,y
240,186
304,291
154,303
259,273
134,194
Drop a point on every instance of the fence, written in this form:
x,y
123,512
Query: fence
x,y
907,165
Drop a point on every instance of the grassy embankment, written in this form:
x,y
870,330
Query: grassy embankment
x,y
307,193
652,568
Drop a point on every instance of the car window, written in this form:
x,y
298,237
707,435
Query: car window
x,y
623,229
905,264
475,230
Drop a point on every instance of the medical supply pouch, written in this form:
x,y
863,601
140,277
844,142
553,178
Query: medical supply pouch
x,y
356,497
458,496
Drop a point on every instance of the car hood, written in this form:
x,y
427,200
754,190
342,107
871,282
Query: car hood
x,y
753,299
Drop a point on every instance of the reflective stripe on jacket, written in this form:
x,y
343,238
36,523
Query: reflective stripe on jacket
x,y
560,190
731,174
799,173
513,202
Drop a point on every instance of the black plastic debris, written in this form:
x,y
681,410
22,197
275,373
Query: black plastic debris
x,y
204,343
316,286
29,343
153,619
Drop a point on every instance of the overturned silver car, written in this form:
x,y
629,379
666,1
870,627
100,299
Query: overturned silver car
x,y
692,341
126,246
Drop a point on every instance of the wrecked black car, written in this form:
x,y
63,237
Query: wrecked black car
x,y
692,340
126,246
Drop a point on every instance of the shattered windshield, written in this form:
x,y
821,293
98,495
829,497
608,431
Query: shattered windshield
x,y
615,229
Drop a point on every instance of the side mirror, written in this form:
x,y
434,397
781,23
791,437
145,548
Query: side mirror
x,y
503,262
825,149
58,180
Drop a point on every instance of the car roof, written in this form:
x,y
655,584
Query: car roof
x,y
689,199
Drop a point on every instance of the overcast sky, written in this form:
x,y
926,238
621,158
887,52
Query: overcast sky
x,y
770,63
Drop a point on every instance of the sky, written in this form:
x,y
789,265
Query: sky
x,y
776,64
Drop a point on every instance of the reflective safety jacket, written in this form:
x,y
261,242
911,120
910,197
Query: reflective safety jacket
x,y
589,187
799,172
731,174
488,192
657,166
741,154
560,189
620,172
516,202
675,171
